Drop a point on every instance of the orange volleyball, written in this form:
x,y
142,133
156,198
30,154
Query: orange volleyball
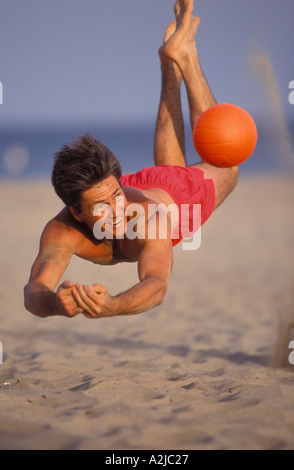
x,y
225,135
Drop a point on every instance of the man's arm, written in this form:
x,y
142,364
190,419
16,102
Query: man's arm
x,y
154,269
47,270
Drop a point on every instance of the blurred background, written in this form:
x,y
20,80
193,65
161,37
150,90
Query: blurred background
x,y
75,66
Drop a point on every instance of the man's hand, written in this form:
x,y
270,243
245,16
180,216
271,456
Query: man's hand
x,y
93,300
67,305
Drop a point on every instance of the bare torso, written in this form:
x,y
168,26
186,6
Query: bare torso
x,y
107,252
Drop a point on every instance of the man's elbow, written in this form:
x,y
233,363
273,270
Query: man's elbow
x,y
27,298
30,303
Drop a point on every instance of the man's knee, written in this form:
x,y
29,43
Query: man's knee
x,y
225,182
233,176
225,179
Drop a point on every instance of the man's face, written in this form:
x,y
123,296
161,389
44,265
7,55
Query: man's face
x,y
103,207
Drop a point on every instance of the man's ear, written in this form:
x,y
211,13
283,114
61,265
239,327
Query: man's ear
x,y
77,215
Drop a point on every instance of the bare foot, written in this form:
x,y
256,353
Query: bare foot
x,y
167,63
179,39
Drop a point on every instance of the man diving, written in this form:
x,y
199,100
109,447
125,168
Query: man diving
x,y
87,177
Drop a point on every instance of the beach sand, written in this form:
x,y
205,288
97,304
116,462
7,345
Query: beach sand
x,y
208,369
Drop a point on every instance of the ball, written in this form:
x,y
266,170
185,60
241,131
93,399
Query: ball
x,y
225,135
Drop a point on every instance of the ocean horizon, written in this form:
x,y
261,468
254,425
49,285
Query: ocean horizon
x,y
28,152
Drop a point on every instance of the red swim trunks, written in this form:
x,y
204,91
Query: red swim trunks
x,y
185,185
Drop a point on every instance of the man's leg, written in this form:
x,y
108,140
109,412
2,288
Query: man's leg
x,y
181,49
169,139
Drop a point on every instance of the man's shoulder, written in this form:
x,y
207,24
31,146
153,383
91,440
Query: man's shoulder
x,y
62,229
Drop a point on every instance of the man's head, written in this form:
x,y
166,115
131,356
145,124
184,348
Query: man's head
x,y
81,165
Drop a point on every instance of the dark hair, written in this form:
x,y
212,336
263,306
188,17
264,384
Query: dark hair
x,y
79,166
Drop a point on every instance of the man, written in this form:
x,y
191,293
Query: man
x,y
87,177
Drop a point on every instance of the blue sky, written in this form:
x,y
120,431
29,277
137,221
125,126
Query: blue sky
x,y
66,61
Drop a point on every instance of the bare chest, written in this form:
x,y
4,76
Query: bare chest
x,y
109,252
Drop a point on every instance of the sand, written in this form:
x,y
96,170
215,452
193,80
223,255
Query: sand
x,y
208,369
